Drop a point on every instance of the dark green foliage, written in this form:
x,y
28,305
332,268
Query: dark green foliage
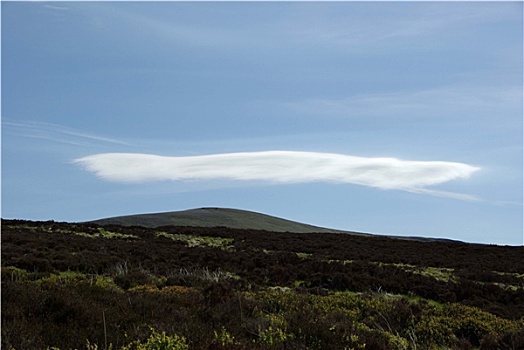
x,y
267,290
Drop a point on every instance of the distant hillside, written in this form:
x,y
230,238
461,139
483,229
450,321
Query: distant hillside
x,y
214,217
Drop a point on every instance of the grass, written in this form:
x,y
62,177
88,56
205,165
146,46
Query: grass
x,y
199,241
102,233
438,273
99,232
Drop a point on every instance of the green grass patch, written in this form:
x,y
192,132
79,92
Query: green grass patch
x,y
103,233
199,241
519,276
303,255
15,274
99,233
439,273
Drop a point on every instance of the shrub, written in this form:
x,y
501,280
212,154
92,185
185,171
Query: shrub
x,y
159,341
224,338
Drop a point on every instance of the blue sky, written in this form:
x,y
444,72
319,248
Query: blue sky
x,y
398,118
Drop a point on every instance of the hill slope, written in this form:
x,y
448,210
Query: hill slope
x,y
214,217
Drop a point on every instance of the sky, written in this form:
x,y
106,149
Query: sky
x,y
396,118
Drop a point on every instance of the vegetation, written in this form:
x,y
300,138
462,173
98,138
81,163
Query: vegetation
x,y
196,241
213,217
82,286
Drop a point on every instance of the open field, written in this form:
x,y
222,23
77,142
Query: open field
x,y
78,286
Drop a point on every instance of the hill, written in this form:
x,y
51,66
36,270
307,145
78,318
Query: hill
x,y
232,218
214,217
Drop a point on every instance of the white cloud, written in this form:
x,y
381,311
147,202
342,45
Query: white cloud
x,y
281,167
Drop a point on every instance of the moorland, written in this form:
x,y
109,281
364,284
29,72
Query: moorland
x,y
214,217
92,286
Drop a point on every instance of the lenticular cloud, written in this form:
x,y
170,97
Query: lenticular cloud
x,y
281,167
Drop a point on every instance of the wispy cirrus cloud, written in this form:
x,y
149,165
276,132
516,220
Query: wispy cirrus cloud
x,y
56,8
282,167
461,99
334,26
55,133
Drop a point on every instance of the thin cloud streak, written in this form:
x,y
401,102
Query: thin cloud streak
x,y
282,167
57,8
463,98
55,132
333,31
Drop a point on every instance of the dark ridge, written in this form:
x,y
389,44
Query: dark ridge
x,y
214,217
232,218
